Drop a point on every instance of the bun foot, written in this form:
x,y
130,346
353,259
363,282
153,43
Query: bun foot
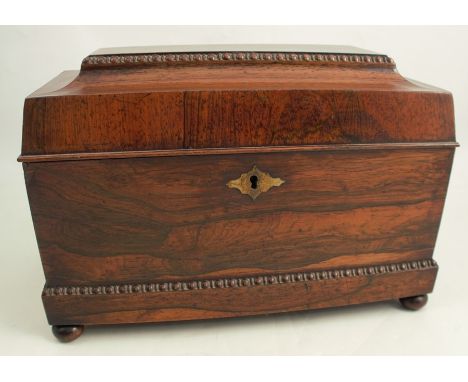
x,y
67,333
414,302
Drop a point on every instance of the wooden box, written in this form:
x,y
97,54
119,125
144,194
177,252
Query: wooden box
x,y
180,184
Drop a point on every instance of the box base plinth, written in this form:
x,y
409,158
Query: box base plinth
x,y
70,308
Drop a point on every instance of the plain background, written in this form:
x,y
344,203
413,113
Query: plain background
x,y
31,56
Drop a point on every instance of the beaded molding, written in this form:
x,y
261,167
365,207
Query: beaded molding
x,y
239,282
247,57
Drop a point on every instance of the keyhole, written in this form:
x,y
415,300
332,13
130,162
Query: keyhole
x,y
253,181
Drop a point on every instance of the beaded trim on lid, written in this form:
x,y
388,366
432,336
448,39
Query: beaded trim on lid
x,y
158,59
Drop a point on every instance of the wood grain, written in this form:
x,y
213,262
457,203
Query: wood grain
x,y
103,123
204,105
127,163
235,302
140,219
226,119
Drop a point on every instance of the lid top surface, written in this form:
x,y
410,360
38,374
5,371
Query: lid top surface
x,y
279,48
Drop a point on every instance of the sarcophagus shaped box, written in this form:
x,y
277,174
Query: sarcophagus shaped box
x,y
189,184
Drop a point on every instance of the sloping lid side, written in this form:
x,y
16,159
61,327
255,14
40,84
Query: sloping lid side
x,y
163,101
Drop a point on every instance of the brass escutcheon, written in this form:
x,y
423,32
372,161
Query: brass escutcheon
x,y
254,182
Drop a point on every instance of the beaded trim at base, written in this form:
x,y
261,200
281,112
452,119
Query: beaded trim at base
x,y
239,282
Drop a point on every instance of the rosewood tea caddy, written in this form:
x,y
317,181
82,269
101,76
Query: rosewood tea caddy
x,y
184,183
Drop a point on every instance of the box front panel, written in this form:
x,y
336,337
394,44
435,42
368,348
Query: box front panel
x,y
174,218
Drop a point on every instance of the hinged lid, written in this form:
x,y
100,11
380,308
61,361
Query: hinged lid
x,y
180,98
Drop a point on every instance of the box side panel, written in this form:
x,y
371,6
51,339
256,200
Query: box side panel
x,y
117,221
